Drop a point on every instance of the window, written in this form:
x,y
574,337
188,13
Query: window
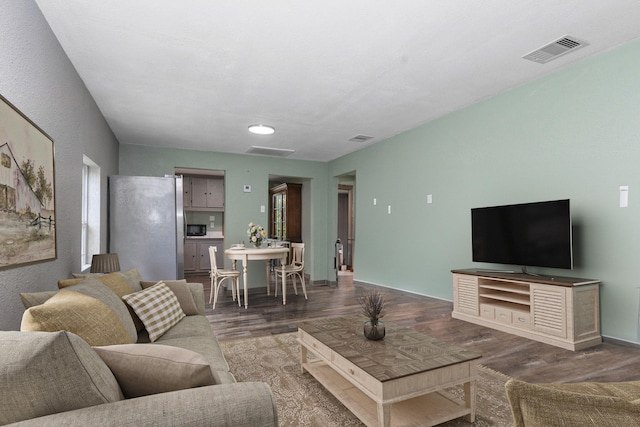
x,y
90,243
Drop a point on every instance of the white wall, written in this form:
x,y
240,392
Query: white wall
x,y
37,78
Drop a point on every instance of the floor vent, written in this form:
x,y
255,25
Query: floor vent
x,y
361,138
555,49
268,151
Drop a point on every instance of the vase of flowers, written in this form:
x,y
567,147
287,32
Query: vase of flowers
x,y
256,234
372,305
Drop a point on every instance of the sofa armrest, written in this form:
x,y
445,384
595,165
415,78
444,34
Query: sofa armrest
x,y
197,290
249,404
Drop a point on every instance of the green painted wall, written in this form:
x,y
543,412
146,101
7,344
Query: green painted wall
x,y
240,207
574,134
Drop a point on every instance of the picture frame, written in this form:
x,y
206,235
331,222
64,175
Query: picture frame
x,y
27,190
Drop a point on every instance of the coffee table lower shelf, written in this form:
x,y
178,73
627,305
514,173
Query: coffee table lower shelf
x,y
426,410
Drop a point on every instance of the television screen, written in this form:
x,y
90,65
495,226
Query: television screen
x,y
528,234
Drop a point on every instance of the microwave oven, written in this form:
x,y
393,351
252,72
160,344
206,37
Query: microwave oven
x,y
196,230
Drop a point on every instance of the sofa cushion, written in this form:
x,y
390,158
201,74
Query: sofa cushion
x,y
143,369
132,277
45,373
121,284
157,307
30,299
63,313
194,333
85,316
65,283
181,289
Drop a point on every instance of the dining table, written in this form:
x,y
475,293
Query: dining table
x,y
246,254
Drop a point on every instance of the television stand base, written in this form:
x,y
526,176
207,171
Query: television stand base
x,y
560,311
491,270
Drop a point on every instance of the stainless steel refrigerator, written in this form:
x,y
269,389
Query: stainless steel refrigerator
x,y
146,225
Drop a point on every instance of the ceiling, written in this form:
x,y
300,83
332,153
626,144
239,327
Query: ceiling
x,y
196,73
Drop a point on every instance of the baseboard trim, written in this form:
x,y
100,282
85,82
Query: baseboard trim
x,y
361,282
621,342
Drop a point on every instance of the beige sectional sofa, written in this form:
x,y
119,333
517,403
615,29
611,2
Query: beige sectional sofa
x,y
103,368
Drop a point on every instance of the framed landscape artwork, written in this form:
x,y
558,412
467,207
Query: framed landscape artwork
x,y
27,190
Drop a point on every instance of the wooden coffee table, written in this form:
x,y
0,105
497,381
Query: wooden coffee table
x,y
399,380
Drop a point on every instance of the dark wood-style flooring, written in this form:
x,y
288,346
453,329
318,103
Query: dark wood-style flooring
x,y
515,356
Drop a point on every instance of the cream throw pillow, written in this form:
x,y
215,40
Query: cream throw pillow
x,y
119,283
157,307
143,369
131,276
91,319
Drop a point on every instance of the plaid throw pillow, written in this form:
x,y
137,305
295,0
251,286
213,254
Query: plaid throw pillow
x,y
157,307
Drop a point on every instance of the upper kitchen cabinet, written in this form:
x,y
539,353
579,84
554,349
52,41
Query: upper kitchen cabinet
x,y
204,193
286,212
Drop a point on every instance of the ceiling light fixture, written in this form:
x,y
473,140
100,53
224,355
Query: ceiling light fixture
x,y
262,129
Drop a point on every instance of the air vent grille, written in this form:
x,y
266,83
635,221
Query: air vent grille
x,y
361,138
555,49
269,151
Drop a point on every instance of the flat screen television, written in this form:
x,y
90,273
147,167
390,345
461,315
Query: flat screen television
x,y
528,234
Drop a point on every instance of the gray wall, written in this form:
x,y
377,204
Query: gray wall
x,y
37,78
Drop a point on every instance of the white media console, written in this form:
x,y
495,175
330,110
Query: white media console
x,y
560,311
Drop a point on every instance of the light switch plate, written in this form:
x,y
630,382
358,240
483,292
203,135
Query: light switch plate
x,y
624,196
247,188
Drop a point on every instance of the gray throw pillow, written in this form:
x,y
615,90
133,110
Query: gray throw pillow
x,y
46,373
143,369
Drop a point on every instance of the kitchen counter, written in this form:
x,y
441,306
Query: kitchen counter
x,y
208,236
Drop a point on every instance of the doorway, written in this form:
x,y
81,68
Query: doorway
x,y
346,222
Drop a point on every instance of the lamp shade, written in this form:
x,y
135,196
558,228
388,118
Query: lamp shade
x,y
105,263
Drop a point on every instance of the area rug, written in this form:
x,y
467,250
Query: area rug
x,y
302,401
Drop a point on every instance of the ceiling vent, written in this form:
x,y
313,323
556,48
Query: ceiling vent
x,y
555,49
268,151
361,138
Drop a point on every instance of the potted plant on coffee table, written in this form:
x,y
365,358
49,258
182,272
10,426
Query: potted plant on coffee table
x,y
373,304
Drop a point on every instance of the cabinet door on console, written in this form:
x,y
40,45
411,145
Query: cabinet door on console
x,y
549,309
465,294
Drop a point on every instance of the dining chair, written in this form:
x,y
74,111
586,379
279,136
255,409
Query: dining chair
x,y
218,276
293,269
